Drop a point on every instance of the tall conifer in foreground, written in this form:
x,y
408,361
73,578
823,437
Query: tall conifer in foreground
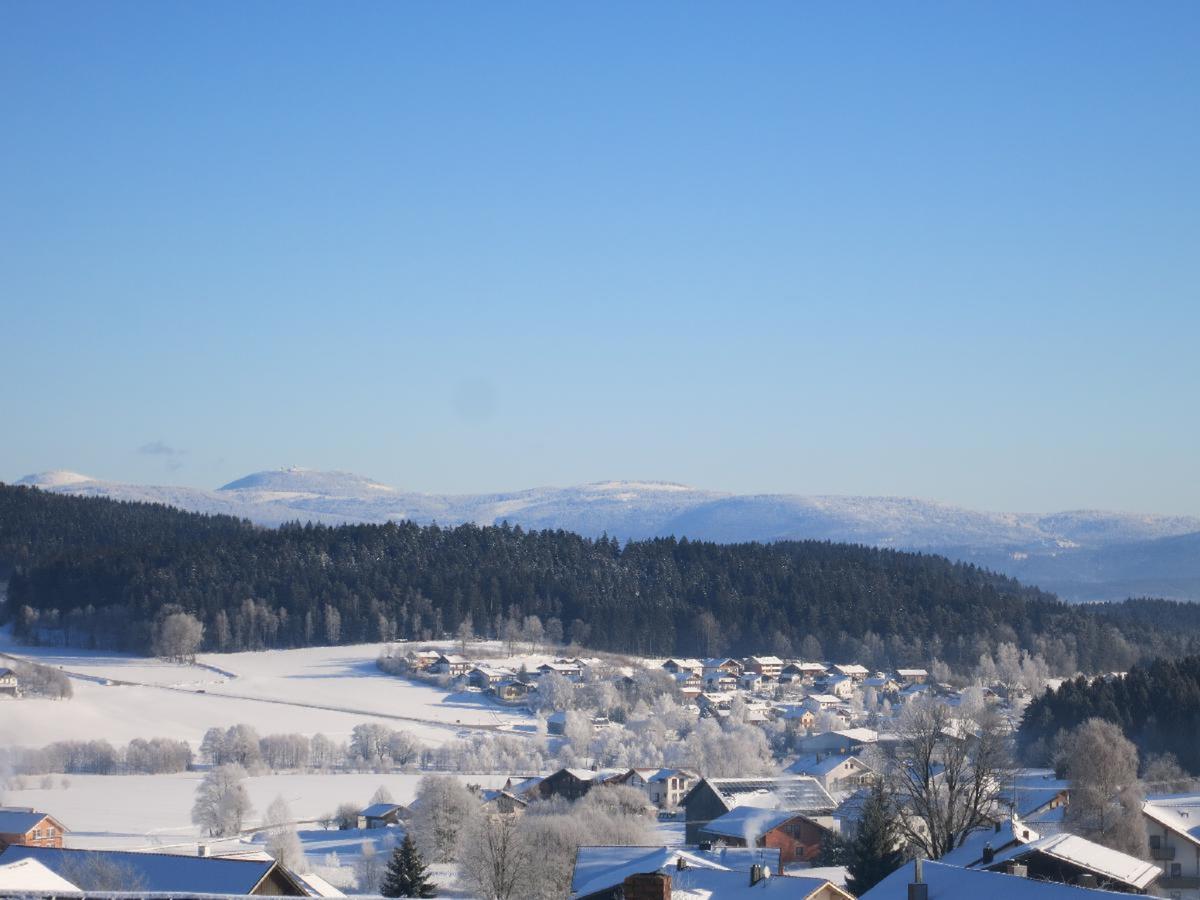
x,y
406,874
873,852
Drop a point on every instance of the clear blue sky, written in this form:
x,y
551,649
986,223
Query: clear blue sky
x,y
939,249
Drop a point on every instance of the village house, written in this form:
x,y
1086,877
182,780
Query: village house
x,y
422,659
1173,833
571,784
512,691
711,798
10,685
1070,859
722,664
844,741
503,802
938,881
882,684
912,676
166,873
751,681
766,666
839,686
607,866
838,774
801,715
664,787
381,815
797,837
483,677
690,666
564,667
820,703
26,827
450,664
720,680
852,670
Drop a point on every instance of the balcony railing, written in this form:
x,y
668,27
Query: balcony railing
x,y
1162,852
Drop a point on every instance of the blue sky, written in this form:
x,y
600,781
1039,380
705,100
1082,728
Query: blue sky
x,y
938,249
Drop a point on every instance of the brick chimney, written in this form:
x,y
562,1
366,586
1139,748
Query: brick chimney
x,y
647,886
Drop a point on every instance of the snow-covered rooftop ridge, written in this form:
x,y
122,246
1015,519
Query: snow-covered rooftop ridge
x,y
1079,851
954,883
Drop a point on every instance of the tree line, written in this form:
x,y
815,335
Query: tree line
x,y
95,572
1156,706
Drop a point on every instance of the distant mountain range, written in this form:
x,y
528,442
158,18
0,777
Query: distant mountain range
x,y
1081,555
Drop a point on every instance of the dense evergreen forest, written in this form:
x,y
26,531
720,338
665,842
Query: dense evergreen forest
x,y
1156,705
94,572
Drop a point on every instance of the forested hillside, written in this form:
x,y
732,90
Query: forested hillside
x,y
1156,705
91,571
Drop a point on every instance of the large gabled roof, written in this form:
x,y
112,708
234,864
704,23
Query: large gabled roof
x,y
954,883
159,871
798,793
596,867
1112,865
1178,812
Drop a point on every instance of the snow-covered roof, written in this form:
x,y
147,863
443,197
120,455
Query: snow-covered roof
x,y
748,823
954,883
31,875
14,820
1104,861
1011,832
318,886
1179,812
767,660
864,735
709,884
811,765
825,698
799,793
911,673
375,810
684,662
160,871
5,673
852,669
596,867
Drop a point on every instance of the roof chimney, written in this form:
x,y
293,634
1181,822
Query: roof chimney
x,y
203,850
647,886
918,889
757,874
989,855
680,863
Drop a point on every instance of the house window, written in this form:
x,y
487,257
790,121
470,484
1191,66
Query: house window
x,y
1155,841
1176,870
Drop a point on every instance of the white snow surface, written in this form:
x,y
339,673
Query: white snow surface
x,y
319,689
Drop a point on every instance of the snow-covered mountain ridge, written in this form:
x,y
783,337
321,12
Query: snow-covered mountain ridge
x,y
1064,551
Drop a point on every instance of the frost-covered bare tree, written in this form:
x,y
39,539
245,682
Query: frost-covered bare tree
x,y
369,869
946,773
496,857
1106,798
554,693
178,636
283,843
222,802
442,807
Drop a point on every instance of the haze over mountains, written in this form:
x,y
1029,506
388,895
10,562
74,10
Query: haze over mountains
x,y
1081,555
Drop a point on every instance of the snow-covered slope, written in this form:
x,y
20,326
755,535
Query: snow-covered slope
x,y
1082,554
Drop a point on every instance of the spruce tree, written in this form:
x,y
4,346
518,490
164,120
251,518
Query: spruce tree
x,y
406,875
873,853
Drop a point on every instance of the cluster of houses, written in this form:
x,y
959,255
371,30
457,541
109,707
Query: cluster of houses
x,y
804,692
505,684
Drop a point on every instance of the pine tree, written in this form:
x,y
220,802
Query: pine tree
x,y
406,875
873,851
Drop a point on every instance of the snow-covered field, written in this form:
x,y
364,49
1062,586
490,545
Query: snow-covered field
x,y
323,689
144,811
